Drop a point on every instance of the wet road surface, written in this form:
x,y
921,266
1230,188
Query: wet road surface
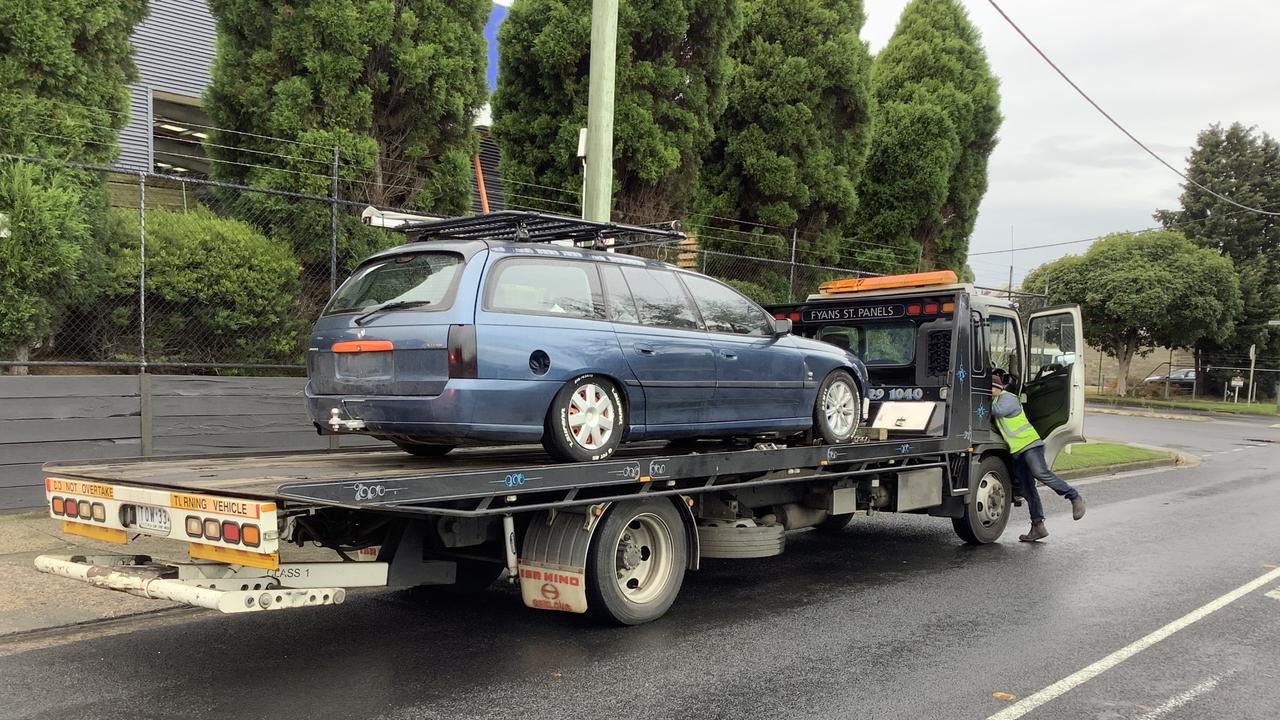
x,y
892,619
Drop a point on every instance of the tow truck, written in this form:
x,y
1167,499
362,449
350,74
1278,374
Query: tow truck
x,y
614,538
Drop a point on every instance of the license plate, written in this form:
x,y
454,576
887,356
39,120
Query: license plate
x,y
364,366
154,520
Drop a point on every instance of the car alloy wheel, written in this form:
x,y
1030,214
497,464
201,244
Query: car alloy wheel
x,y
592,416
840,405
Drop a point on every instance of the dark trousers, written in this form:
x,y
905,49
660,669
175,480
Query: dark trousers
x,y
1029,466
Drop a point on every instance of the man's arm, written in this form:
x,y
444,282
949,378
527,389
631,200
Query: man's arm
x,y
1006,405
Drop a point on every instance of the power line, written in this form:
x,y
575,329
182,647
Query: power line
x,y
1179,223
1116,123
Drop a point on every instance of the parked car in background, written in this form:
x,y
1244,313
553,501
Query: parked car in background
x,y
443,343
1182,378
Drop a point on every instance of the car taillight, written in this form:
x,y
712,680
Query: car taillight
x,y
250,536
57,506
72,508
462,351
230,532
212,529
195,526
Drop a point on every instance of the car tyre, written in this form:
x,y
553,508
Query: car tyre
x,y
586,420
424,449
837,411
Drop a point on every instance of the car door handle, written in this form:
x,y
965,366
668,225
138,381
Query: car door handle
x,y
645,349
728,355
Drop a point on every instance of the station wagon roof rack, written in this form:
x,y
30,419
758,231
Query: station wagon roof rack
x,y
535,227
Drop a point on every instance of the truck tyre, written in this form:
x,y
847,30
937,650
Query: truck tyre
x,y
423,449
636,562
586,420
987,512
837,411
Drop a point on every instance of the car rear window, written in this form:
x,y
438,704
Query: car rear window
x,y
545,287
426,277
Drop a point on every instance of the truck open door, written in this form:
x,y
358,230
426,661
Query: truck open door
x,y
1055,372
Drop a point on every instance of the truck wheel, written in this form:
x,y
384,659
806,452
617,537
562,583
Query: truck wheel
x,y
987,512
838,409
586,421
423,449
636,562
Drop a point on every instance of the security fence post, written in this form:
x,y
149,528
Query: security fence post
x,y
142,269
791,284
333,225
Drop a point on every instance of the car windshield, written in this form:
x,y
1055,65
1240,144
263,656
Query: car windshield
x,y
423,279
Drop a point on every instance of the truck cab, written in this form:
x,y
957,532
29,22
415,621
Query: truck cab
x,y
931,345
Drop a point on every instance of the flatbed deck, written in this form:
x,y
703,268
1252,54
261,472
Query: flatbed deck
x,y
488,481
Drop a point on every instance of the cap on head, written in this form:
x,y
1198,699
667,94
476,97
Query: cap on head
x,y
997,382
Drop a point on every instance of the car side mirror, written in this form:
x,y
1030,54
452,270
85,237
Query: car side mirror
x,y
781,326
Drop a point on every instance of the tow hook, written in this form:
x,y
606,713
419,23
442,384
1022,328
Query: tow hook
x,y
338,424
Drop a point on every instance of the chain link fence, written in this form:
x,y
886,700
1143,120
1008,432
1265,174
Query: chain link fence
x,y
191,275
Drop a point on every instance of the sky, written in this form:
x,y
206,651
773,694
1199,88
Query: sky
x,y
1165,69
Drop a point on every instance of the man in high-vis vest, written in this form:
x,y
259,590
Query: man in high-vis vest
x,y
1028,454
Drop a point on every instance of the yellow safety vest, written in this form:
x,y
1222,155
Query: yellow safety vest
x,y
1017,431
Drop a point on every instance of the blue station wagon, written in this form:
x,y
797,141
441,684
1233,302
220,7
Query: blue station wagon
x,y
449,342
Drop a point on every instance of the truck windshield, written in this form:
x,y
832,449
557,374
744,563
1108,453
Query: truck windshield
x,y
423,279
877,344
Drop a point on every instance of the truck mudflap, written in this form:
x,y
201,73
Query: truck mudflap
x,y
224,588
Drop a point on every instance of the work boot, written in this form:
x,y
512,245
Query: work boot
x,y
1077,508
1018,500
1037,532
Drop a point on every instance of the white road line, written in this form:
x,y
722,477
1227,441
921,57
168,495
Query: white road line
x,y
1181,699
1083,675
1274,594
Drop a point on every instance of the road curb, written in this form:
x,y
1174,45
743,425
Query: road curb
x,y
1141,412
1084,473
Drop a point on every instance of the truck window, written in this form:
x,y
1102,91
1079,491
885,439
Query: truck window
x,y
1051,345
879,344
1003,344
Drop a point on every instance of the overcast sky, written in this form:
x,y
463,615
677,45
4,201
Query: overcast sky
x,y
1164,69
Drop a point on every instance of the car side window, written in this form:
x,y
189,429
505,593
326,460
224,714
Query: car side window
x,y
660,299
545,286
724,309
622,307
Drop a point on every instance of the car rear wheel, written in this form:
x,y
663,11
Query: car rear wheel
x,y
837,411
586,420
423,449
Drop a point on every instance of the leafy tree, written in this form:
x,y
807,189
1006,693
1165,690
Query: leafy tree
x,y
670,70
790,147
1243,165
43,234
218,290
64,67
1143,290
937,113
394,85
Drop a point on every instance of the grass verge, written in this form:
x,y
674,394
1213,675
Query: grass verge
x,y
1096,455
1186,404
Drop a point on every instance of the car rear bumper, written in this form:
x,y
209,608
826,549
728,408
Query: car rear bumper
x,y
468,410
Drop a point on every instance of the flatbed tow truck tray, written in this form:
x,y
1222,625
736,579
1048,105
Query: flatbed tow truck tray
x,y
490,481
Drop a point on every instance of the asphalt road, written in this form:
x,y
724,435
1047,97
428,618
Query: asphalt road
x,y
893,619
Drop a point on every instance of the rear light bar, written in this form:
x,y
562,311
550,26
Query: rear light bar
x,y
227,531
462,351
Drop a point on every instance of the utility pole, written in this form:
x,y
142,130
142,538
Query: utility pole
x,y
597,199
1253,357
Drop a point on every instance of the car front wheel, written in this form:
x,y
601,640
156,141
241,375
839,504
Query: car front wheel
x,y
837,411
586,421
